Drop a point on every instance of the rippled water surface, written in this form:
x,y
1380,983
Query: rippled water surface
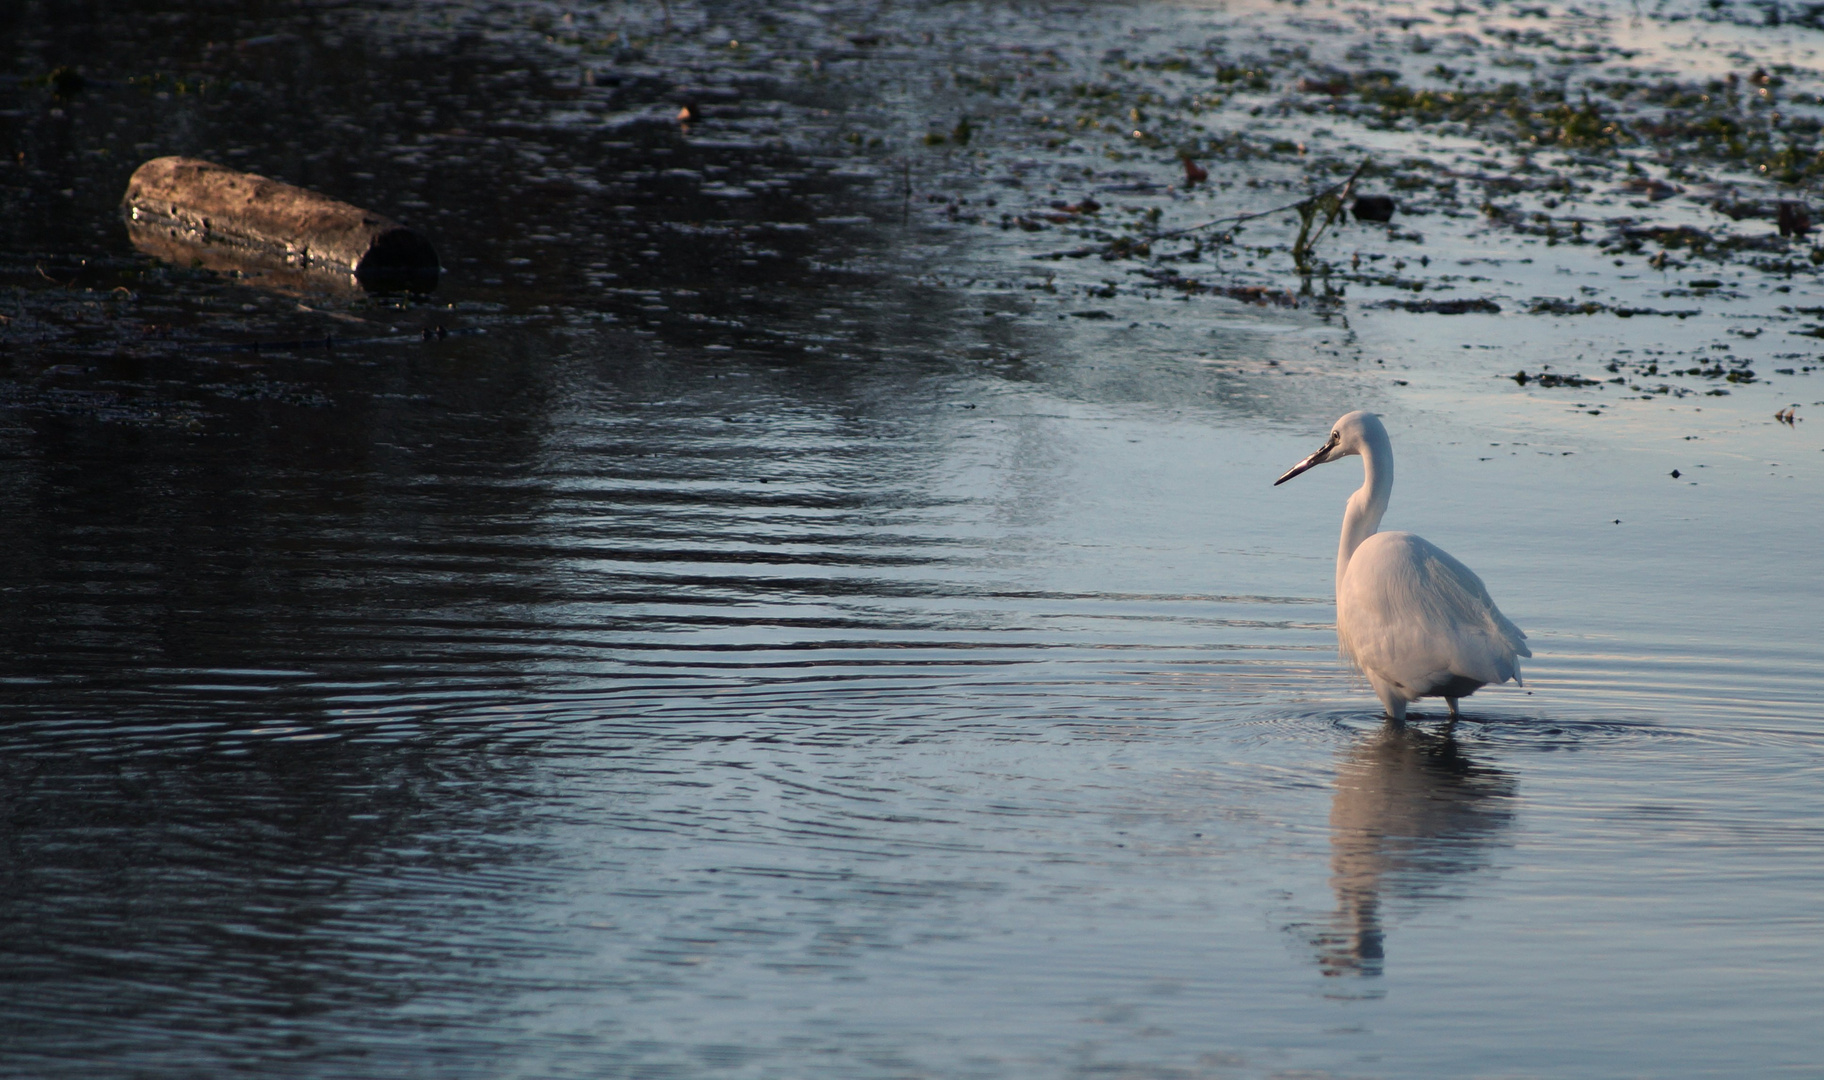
x,y
770,633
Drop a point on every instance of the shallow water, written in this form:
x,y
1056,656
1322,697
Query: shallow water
x,y
799,651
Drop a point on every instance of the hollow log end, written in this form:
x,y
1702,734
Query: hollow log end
x,y
399,258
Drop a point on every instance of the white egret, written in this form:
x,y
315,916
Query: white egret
x,y
1415,621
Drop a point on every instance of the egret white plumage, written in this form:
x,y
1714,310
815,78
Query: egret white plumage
x,y
1415,621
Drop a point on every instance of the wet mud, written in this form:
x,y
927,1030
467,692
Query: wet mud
x,y
685,174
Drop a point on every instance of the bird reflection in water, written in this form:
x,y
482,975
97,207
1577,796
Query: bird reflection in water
x,y
1411,815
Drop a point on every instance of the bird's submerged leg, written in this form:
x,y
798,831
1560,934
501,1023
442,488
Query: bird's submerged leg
x,y
1452,702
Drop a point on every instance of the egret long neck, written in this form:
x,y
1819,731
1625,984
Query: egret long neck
x,y
1363,515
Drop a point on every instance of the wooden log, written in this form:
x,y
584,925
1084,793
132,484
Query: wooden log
x,y
272,273
205,204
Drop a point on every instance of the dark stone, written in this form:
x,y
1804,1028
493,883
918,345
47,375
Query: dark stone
x,y
1373,208
1794,218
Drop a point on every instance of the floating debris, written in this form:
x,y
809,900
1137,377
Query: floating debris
x,y
1794,219
205,208
1549,379
1467,306
1630,312
1373,208
1552,305
1654,189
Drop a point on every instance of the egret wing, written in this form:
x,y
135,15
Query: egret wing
x,y
1412,614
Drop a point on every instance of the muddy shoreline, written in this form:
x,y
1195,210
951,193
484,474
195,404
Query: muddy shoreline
x,y
831,156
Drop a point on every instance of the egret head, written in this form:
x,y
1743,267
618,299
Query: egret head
x,y
1350,435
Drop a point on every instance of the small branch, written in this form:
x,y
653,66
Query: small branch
x,y
1330,204
65,284
1340,189
1342,186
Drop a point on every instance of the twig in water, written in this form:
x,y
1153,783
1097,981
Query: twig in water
x,y
65,284
1330,204
1306,208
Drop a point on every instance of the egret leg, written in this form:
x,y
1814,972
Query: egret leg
x,y
1452,702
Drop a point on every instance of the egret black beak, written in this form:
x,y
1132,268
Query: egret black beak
x,y
1322,455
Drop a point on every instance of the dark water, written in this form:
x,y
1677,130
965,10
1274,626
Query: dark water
x,y
750,641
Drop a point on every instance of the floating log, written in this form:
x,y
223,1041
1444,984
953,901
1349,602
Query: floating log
x,y
272,273
199,204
